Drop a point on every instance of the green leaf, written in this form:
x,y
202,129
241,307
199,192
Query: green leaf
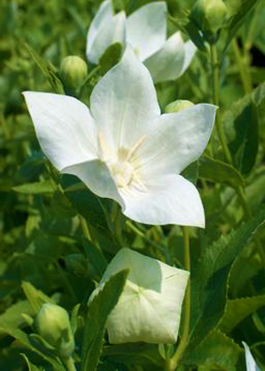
x,y
191,172
209,279
84,201
35,297
110,57
95,257
217,351
24,341
31,366
237,20
238,309
135,353
37,188
98,311
13,315
77,264
219,171
242,124
48,70
258,97
195,35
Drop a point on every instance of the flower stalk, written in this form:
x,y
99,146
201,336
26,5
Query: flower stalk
x,y
69,364
243,69
215,94
172,363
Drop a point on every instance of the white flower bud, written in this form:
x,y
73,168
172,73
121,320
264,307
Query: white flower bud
x,y
53,324
149,307
178,106
73,71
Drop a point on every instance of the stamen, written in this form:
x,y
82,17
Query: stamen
x,y
135,147
103,146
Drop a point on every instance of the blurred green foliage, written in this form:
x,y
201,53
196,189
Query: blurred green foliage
x,y
46,220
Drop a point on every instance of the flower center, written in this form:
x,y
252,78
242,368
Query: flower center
x,y
122,172
122,164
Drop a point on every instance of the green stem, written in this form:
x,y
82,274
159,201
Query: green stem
x,y
69,364
243,69
221,134
173,363
244,203
215,93
146,238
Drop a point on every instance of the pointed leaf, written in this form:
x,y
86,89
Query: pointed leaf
x,y
238,309
237,20
12,316
35,297
110,57
24,341
95,257
210,277
217,351
98,311
48,70
84,201
37,188
219,171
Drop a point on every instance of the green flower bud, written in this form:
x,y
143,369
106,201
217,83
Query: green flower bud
x,y
209,15
73,71
178,105
53,324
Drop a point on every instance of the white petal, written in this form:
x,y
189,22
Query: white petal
x,y
64,127
190,50
113,30
167,63
146,29
178,140
104,15
250,362
151,290
95,174
169,199
124,102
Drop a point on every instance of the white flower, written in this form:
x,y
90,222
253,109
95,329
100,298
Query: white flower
x,y
149,307
145,31
250,362
105,29
124,149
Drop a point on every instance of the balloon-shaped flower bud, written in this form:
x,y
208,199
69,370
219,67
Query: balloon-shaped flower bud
x,y
53,324
73,71
178,106
149,307
209,15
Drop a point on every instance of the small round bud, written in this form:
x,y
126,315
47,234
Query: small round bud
x,y
53,324
73,71
209,15
178,106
